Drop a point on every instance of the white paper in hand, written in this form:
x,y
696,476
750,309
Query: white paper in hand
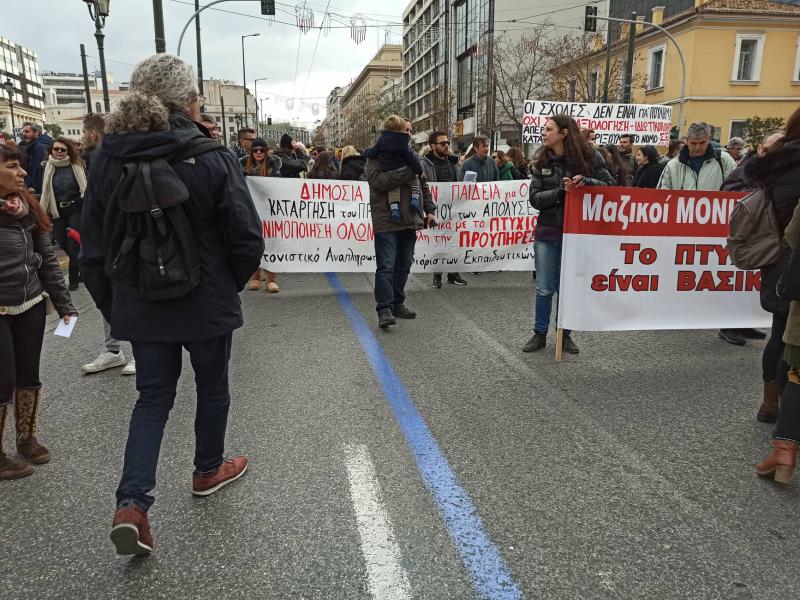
x,y
471,176
64,329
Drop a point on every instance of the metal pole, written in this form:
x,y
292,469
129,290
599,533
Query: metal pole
x,y
13,121
98,34
244,85
626,95
608,64
224,124
683,65
255,95
199,47
158,21
86,81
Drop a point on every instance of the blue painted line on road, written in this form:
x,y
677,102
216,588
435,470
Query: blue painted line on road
x,y
490,575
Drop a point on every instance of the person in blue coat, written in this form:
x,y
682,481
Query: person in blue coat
x,y
37,149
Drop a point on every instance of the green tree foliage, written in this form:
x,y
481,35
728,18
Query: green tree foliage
x,y
755,128
53,129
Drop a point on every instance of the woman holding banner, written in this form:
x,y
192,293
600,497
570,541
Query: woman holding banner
x,y
565,161
779,171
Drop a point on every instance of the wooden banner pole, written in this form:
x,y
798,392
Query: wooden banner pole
x,y
559,344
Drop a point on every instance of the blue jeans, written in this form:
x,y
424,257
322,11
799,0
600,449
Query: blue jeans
x,y
394,255
547,260
158,367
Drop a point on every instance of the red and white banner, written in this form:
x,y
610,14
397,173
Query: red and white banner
x,y
316,225
653,259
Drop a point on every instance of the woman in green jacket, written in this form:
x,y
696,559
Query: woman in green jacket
x,y
505,165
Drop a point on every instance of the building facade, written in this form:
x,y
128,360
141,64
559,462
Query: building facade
x,y
360,105
234,100
20,66
742,60
69,116
334,119
68,88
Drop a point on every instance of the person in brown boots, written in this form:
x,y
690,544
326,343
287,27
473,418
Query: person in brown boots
x,y
22,309
781,170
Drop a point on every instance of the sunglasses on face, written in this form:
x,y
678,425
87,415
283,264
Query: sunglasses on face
x,y
59,149
259,151
444,143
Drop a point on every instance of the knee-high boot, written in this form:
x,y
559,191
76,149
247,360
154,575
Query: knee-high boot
x,y
26,411
10,469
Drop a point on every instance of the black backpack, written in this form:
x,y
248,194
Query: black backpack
x,y
151,244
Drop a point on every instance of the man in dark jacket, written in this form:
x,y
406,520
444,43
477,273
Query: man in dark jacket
x,y
395,241
440,165
480,162
37,150
156,121
738,181
628,160
293,158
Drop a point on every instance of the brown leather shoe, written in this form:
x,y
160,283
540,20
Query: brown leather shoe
x,y
768,412
26,413
130,531
780,464
230,470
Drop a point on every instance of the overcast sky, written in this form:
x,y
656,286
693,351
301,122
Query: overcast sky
x,y
55,29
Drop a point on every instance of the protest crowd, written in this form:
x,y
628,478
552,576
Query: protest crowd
x,y
155,218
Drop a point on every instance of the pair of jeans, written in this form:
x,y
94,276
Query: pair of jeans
x,y
772,358
158,367
547,262
111,344
21,339
394,255
68,219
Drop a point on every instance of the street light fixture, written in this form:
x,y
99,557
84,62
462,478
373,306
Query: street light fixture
x,y
244,78
9,88
98,11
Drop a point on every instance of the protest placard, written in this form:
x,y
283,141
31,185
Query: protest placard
x,y
647,123
653,259
313,225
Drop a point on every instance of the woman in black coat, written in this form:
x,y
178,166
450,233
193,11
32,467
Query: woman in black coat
x,y
649,168
28,269
352,165
565,162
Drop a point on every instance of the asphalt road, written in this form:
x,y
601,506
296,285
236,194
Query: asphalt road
x,y
432,461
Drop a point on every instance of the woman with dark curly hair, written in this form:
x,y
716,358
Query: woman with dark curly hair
x,y
565,161
29,273
63,185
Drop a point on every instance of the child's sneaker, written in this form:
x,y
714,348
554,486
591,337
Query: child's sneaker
x,y
415,202
395,208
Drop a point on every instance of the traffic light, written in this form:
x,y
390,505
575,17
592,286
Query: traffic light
x,y
268,7
269,120
590,24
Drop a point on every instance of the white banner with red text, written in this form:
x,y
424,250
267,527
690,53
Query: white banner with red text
x,y
316,225
646,123
639,259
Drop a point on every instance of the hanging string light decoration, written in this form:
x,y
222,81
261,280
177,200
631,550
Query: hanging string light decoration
x,y
290,104
358,28
305,17
315,109
326,24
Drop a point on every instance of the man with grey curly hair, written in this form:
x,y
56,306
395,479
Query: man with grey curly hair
x,y
157,122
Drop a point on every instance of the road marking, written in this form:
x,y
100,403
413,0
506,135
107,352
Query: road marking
x,y
483,561
387,578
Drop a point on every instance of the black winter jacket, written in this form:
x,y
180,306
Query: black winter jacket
x,y
547,191
353,168
28,265
781,170
292,163
231,243
648,175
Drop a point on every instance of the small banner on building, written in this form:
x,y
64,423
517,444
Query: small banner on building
x,y
316,225
653,259
647,123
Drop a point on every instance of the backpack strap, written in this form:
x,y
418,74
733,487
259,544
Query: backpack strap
x,y
196,147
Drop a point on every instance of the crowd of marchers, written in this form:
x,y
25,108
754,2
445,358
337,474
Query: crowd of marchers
x,y
156,220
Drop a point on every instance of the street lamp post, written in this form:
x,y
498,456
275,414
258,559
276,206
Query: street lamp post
x,y
258,112
98,10
9,87
244,78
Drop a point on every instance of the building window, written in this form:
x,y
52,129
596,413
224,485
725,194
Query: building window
x,y
464,81
737,129
655,67
796,75
572,90
97,108
747,60
594,80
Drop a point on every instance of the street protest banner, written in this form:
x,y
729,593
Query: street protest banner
x,y
653,259
647,123
316,225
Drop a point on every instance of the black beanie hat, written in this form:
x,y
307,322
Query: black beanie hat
x,y
286,141
259,143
